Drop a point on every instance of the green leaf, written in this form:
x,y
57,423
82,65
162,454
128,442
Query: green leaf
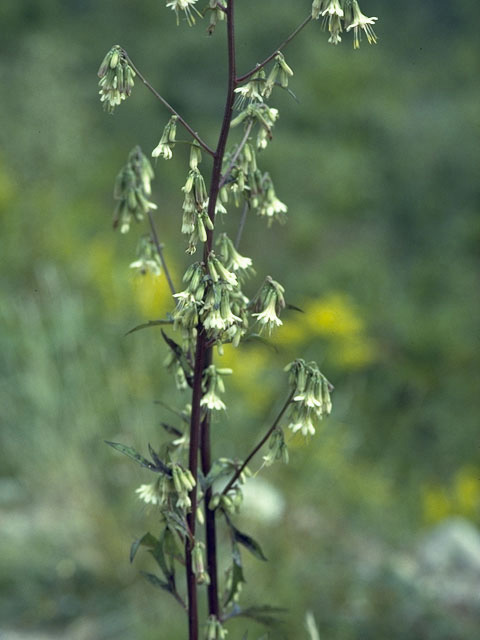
x,y
171,545
147,540
159,465
155,580
249,543
131,453
294,308
159,556
147,325
265,614
180,356
171,430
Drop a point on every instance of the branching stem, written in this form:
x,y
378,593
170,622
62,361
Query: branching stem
x,y
260,65
203,357
235,156
183,122
159,249
238,472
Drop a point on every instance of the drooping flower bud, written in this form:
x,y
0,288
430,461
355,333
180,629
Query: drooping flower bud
x,y
116,78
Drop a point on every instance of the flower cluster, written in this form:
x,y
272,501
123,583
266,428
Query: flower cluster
x,y
252,91
195,220
167,141
132,186
148,260
116,78
214,629
187,6
261,114
339,14
183,482
216,15
277,448
212,385
280,73
311,400
240,265
268,304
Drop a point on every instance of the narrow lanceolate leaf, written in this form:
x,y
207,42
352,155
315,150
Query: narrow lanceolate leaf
x,y
171,430
147,540
155,580
150,323
248,542
180,356
265,614
159,465
294,308
159,556
131,453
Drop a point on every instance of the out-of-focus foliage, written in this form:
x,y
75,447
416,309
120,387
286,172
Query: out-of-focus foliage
x,y
378,164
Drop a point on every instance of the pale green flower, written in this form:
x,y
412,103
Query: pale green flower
x,y
361,23
187,7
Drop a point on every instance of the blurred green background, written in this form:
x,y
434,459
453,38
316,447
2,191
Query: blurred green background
x,y
373,525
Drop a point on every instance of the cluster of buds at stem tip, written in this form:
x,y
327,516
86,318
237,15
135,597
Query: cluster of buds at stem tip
x,y
132,188
167,141
148,260
217,14
212,385
187,6
339,15
116,78
261,114
280,73
311,396
268,304
214,629
198,564
277,448
183,482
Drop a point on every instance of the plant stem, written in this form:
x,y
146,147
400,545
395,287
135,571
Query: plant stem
x,y
193,466
241,226
279,48
159,248
183,122
203,357
238,472
238,151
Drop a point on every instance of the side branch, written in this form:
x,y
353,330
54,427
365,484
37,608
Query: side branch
x,y
185,124
239,471
238,151
159,249
279,48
